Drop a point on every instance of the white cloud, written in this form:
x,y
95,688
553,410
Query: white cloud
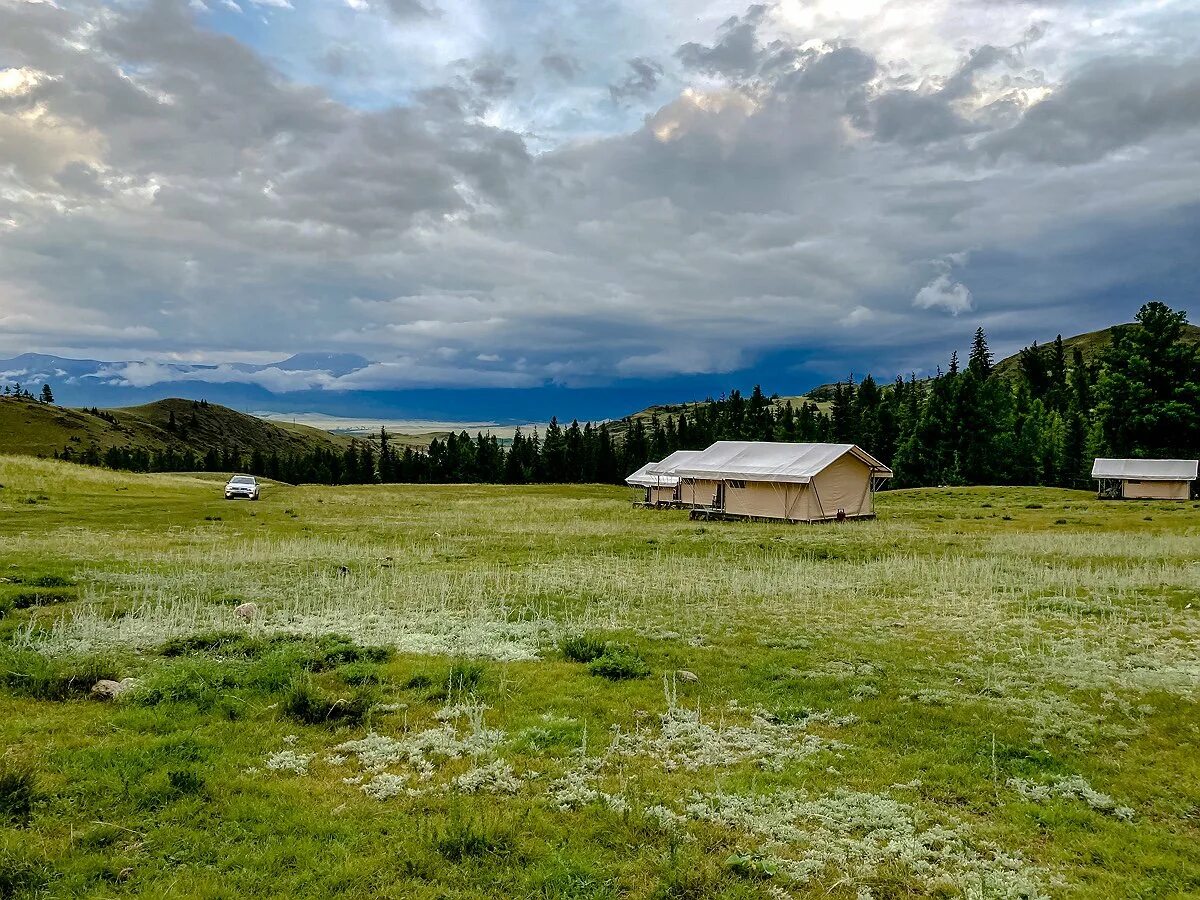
x,y
943,293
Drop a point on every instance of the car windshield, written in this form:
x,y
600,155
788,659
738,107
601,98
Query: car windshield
x,y
241,479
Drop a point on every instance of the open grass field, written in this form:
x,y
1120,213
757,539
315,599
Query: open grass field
x,y
542,692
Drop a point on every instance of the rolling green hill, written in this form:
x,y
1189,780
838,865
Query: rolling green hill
x,y
1091,344
38,429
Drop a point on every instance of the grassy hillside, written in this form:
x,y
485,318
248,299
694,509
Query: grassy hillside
x,y
28,427
1091,345
986,693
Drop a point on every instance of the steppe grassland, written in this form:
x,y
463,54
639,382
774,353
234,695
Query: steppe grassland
x,y
985,691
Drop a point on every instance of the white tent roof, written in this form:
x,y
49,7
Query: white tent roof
x,y
771,461
1146,469
668,466
642,477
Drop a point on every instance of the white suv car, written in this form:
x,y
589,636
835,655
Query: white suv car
x,y
241,486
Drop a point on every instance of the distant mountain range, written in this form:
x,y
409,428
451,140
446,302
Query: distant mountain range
x,y
340,384
299,383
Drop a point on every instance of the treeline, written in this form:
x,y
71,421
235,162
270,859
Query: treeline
x,y
1040,424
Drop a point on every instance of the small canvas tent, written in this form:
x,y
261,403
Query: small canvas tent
x,y
660,489
1145,479
666,470
795,482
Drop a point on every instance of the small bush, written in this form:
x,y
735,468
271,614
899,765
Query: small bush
x,y
1033,506
18,790
200,681
465,675
221,643
752,865
332,650
50,581
305,703
418,682
359,673
582,648
30,674
27,599
467,838
185,781
618,663
22,875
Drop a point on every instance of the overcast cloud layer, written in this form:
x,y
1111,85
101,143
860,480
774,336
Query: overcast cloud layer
x,y
499,194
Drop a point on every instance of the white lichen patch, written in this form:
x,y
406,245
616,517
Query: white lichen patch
x,y
496,777
1071,787
289,761
460,734
855,835
385,785
683,740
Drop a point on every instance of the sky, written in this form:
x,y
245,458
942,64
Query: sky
x,y
514,208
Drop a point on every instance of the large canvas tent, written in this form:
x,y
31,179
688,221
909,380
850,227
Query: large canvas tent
x,y
1145,479
794,482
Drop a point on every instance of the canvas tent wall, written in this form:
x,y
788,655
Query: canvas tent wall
x,y
1145,479
796,482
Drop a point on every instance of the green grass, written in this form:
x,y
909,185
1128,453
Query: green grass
x,y
424,723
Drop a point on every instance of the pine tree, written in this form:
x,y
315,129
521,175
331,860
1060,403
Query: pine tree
x,y
980,361
1148,392
47,394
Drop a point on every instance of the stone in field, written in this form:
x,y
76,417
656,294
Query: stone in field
x,y
246,611
107,689
685,675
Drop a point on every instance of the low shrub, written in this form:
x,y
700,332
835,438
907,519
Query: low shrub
x,y
22,875
305,703
332,650
221,643
185,781
30,674
582,648
360,673
18,790
619,662
315,654
465,837
752,865
200,681
50,581
465,675
27,599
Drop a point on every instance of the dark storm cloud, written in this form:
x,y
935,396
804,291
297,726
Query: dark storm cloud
x,y
563,65
642,80
494,80
737,53
409,10
1110,104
